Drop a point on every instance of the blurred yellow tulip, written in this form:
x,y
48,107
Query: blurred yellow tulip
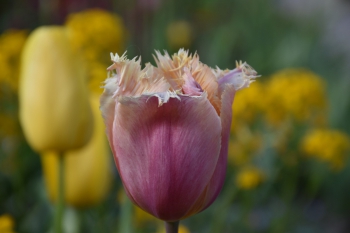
x,y
6,223
87,173
54,106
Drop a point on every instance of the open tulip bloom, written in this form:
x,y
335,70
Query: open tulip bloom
x,y
168,127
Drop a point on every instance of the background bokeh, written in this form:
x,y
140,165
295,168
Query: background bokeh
x,y
288,164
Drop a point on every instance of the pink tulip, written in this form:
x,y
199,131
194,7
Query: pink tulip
x,y
168,127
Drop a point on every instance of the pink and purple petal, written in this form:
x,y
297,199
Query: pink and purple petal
x,y
166,155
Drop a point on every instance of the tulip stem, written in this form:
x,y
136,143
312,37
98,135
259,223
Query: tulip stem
x,y
60,197
172,227
126,213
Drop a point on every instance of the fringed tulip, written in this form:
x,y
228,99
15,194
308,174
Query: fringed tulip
x,y
87,175
168,127
54,105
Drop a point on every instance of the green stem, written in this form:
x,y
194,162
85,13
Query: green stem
x,y
172,227
126,213
60,197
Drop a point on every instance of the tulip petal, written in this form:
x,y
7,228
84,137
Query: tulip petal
x,y
108,104
165,154
218,178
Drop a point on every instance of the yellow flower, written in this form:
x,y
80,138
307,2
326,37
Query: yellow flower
x,y
97,30
243,148
330,146
11,44
248,103
96,33
12,41
97,74
249,178
179,34
86,170
296,93
54,106
6,224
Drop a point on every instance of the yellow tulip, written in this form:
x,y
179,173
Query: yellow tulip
x,y
54,107
87,175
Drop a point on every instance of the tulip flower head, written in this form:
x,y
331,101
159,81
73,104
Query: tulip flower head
x,y
54,107
168,127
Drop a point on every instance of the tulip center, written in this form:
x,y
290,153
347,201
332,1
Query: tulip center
x,y
190,87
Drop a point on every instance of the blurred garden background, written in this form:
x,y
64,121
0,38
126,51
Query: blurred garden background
x,y
288,162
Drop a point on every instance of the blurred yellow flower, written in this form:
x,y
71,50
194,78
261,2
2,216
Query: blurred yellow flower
x,y
249,178
6,72
54,107
97,73
179,34
6,223
12,41
96,33
8,126
330,146
182,229
247,105
244,146
296,93
87,170
246,109
11,44
141,217
237,155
